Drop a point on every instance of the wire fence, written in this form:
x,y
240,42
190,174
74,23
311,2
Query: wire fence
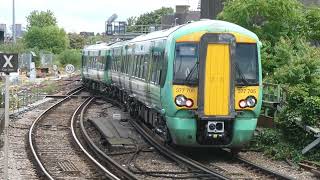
x,y
22,99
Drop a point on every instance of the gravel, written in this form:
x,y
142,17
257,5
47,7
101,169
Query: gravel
x,y
279,166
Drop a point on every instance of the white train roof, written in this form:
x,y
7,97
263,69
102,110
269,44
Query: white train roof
x,y
97,47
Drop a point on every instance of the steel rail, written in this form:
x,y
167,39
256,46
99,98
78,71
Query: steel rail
x,y
30,135
73,121
63,96
263,169
125,173
174,155
73,91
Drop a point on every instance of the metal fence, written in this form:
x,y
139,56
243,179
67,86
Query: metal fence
x,y
143,29
46,60
273,97
22,99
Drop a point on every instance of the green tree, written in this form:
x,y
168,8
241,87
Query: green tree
x,y
132,21
76,41
50,38
268,19
18,47
95,39
41,19
313,21
153,17
150,18
70,56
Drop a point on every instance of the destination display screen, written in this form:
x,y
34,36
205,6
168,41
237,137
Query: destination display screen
x,y
187,50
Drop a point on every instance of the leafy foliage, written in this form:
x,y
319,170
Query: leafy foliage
x,y
274,144
70,56
95,39
297,63
313,21
50,38
18,47
41,19
268,19
153,17
76,41
150,18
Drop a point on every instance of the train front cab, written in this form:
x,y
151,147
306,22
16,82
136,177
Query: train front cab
x,y
218,97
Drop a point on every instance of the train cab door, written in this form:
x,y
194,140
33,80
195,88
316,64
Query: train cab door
x,y
216,77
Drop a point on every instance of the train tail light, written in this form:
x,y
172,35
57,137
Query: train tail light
x,y
189,103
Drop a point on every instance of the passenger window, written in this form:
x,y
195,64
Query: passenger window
x,y
146,67
140,68
137,67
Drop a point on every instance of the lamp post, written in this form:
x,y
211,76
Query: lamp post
x,y
13,22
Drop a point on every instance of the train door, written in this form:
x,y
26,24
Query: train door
x,y
216,81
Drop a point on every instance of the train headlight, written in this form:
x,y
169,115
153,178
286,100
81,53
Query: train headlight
x,y
251,101
189,103
243,103
180,100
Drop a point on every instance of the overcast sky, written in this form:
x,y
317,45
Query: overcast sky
x,y
84,15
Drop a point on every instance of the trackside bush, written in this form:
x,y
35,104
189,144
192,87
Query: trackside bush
x,y
70,56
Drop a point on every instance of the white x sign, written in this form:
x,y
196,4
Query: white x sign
x,y
8,61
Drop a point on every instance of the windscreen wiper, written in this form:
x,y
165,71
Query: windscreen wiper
x,y
191,72
241,75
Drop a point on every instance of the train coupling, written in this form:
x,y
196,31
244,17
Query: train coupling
x,y
215,129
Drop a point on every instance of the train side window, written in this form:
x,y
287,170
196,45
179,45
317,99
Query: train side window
x,y
118,64
145,66
136,67
130,70
132,65
160,65
154,67
114,63
124,59
127,64
104,62
157,69
141,66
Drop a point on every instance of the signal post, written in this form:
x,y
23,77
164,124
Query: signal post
x,y
8,64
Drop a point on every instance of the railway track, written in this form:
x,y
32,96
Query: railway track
x,y
200,169
52,145
106,160
215,172
263,171
311,166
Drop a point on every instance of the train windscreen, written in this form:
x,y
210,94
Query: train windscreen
x,y
246,64
186,63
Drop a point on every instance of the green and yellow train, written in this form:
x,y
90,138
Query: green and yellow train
x,y
198,84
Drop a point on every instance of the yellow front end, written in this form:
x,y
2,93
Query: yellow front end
x,y
217,80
